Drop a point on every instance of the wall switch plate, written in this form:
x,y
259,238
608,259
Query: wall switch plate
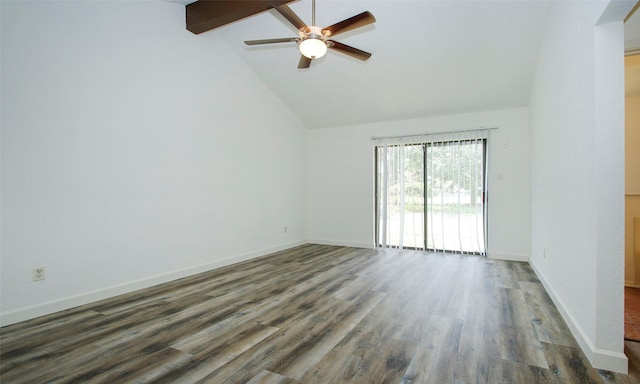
x,y
38,273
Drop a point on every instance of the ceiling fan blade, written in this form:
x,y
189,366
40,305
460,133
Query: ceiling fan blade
x,y
288,14
357,21
305,62
348,50
271,41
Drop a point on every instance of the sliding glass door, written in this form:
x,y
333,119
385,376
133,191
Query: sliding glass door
x,y
430,195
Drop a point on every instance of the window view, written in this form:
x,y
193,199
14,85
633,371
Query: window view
x,y
431,196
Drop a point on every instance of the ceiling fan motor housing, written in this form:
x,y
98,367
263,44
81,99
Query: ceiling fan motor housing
x,y
312,32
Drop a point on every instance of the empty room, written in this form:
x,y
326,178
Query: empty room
x,y
231,191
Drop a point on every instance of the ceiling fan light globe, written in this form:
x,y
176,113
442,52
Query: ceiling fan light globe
x,y
313,48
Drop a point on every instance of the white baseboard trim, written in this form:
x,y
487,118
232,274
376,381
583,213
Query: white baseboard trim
x,y
507,256
31,312
599,358
341,243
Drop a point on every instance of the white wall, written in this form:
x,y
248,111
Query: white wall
x,y
577,147
341,178
134,152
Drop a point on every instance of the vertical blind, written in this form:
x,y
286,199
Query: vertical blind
x,y
431,192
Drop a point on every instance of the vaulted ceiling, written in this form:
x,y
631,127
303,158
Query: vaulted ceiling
x,y
429,58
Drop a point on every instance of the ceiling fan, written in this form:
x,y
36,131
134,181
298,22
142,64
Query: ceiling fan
x,y
314,41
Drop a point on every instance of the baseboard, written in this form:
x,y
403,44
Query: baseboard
x,y
599,358
507,256
631,284
31,312
341,243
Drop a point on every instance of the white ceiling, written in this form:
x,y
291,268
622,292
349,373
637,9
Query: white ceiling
x,y
429,58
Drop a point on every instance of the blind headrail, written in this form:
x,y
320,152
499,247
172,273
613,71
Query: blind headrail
x,y
432,133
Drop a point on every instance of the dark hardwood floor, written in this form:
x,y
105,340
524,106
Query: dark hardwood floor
x,y
314,314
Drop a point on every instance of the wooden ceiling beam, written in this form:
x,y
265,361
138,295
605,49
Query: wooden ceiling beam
x,y
205,15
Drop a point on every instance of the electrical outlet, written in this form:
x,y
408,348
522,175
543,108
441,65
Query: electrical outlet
x,y
38,273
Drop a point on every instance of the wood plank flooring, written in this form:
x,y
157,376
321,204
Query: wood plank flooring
x,y
314,314
632,313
